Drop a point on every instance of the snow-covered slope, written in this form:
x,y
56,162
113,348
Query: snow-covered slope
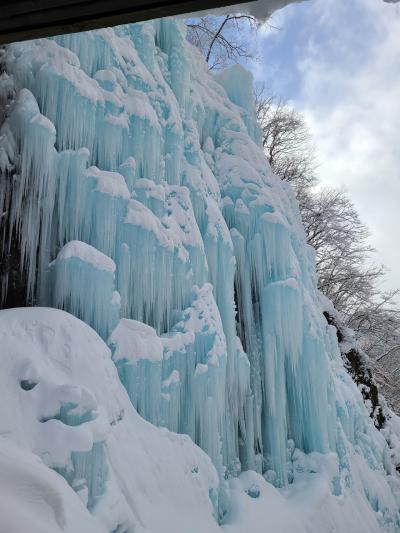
x,y
143,205
63,406
61,394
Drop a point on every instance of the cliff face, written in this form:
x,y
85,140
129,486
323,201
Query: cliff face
x,y
142,203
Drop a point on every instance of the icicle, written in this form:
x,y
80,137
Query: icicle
x,y
106,207
162,247
137,353
33,188
82,282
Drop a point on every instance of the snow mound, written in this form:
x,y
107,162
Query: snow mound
x,y
63,406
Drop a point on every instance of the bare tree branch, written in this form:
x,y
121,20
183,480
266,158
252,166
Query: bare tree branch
x,y
347,274
220,39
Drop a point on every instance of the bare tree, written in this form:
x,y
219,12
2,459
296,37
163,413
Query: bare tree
x,y
347,273
286,141
348,276
378,326
220,39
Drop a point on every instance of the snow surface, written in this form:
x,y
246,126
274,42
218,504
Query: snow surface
x,y
151,474
134,341
35,498
110,183
166,232
157,481
87,254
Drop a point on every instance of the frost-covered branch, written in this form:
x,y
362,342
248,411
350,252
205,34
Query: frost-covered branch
x,y
286,140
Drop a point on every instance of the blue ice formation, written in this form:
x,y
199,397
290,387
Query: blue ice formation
x,y
145,206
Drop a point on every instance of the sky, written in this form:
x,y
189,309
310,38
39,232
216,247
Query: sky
x,y
338,62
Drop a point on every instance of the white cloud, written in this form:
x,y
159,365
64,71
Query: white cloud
x,y
352,105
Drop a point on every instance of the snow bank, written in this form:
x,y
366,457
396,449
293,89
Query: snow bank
x,y
60,396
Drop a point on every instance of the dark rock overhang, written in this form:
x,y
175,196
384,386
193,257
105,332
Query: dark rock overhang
x,y
29,19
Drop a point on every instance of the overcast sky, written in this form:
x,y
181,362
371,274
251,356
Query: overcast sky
x,y
338,62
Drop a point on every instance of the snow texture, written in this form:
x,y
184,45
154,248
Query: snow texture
x,y
64,407
144,206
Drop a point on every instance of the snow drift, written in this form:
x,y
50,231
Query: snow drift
x,y
143,205
64,407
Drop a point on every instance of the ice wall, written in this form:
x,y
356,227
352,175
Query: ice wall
x,y
140,194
